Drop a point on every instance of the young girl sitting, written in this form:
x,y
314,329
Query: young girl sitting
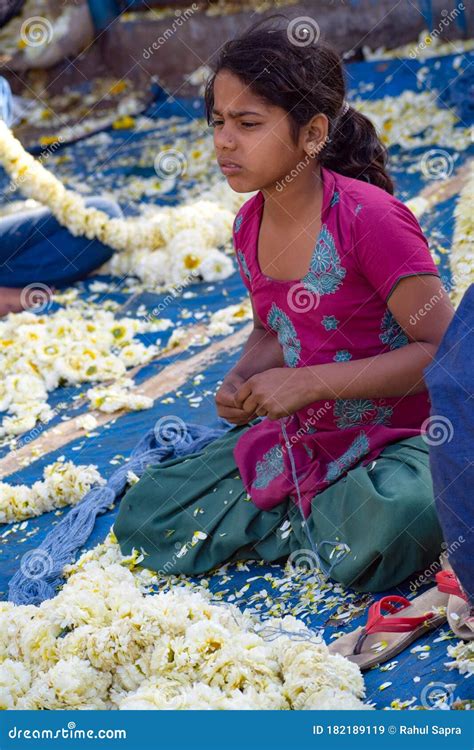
x,y
340,278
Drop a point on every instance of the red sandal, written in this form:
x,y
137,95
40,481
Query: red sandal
x,y
366,648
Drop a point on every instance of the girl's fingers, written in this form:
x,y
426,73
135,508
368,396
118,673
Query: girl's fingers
x,y
226,398
232,414
251,405
242,394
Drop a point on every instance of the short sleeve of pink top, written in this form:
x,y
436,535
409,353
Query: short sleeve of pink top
x,y
337,312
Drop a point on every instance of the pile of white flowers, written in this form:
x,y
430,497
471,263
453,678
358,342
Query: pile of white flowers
x,y
223,321
412,119
170,246
63,484
40,352
119,395
102,643
462,654
427,45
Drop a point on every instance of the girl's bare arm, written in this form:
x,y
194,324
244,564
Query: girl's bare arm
x,y
424,311
261,352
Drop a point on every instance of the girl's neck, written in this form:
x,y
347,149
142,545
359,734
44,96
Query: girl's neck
x,y
298,199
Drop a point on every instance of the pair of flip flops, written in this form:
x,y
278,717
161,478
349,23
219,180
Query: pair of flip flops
x,y
386,634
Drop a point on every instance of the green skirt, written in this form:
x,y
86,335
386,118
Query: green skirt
x,y
372,528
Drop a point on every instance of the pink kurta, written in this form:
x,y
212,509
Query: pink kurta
x,y
335,313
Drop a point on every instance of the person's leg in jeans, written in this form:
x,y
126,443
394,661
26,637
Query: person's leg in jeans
x,y
35,248
450,433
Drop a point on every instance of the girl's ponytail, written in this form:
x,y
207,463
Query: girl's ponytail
x,y
354,150
305,79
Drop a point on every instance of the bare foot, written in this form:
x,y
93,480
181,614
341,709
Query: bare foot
x,y
10,300
35,297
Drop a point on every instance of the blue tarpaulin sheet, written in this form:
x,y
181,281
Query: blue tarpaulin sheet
x,y
410,672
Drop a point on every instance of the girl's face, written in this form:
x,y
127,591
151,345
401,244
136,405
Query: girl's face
x,y
251,137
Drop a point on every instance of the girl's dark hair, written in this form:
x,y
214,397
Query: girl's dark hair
x,y
304,79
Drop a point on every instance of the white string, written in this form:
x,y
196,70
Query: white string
x,y
314,547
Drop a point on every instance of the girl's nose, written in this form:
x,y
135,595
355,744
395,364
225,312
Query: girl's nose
x,y
224,137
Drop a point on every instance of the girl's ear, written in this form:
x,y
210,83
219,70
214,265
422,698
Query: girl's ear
x,y
315,134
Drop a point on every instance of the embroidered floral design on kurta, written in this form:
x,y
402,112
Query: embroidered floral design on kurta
x,y
330,322
342,356
326,273
335,199
392,334
285,330
244,265
341,282
360,411
270,467
238,222
357,449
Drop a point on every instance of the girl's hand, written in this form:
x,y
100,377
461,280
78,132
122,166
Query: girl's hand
x,y
275,393
225,401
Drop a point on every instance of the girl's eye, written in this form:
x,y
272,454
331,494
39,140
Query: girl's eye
x,y
217,123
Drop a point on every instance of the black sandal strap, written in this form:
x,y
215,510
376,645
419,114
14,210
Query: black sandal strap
x,y
360,642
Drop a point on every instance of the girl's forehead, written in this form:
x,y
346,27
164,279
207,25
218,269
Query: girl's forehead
x,y
234,95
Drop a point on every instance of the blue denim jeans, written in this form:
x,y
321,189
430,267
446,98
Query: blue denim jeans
x,y
450,381
34,247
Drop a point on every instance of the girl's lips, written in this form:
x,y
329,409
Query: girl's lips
x,y
230,168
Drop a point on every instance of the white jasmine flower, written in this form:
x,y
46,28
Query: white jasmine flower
x,y
63,484
87,422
